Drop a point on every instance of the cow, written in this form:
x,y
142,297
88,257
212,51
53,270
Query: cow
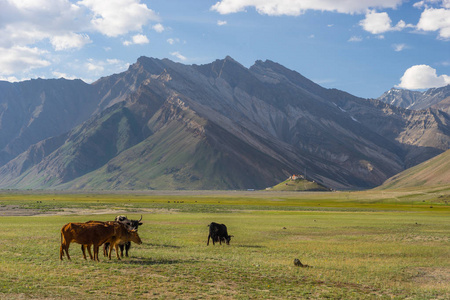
x,y
132,225
83,247
218,233
127,236
95,233
92,233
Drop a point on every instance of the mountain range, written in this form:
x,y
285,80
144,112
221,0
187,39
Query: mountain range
x,y
437,98
166,125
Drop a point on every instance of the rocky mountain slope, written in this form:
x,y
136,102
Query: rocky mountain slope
x,y
165,125
438,98
34,110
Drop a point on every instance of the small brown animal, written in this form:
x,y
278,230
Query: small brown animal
x,y
298,263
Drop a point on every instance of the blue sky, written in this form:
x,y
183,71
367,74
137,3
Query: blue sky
x,y
361,47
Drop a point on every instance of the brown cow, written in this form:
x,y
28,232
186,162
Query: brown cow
x,y
83,247
95,234
121,238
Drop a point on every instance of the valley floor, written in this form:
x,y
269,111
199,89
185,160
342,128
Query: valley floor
x,y
359,245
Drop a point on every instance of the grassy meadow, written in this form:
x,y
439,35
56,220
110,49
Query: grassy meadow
x,y
359,245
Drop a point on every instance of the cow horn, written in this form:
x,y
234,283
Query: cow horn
x,y
140,219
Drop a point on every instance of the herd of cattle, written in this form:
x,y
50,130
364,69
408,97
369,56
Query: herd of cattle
x,y
117,234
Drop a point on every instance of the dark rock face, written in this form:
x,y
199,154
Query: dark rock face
x,y
165,125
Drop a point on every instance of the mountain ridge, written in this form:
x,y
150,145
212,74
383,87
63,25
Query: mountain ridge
x,y
433,172
232,127
437,98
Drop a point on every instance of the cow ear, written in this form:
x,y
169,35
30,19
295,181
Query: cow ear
x,y
140,223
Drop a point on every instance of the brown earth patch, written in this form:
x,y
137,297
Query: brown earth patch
x,y
14,210
434,276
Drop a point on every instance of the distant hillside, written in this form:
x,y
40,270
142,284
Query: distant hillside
x,y
298,184
435,171
438,98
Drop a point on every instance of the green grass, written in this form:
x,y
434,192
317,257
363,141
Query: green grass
x,y
360,245
434,171
299,185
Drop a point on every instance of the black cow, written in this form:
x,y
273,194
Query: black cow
x,y
131,225
218,233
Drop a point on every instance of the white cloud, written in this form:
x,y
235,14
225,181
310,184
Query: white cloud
x,y
178,55
355,39
173,41
117,17
60,25
158,28
69,41
399,47
138,39
377,23
26,22
221,23
422,77
63,75
419,4
113,61
436,20
446,3
112,65
21,59
109,66
9,78
298,7
432,3
95,67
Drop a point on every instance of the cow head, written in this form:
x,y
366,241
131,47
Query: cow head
x,y
134,237
130,224
228,239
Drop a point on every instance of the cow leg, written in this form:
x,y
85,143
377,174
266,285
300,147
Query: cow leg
x,y
83,249
110,250
126,246
207,244
64,248
61,252
121,250
116,246
105,249
96,249
89,251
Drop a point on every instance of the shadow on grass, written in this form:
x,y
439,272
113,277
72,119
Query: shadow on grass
x,y
147,261
251,246
162,245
